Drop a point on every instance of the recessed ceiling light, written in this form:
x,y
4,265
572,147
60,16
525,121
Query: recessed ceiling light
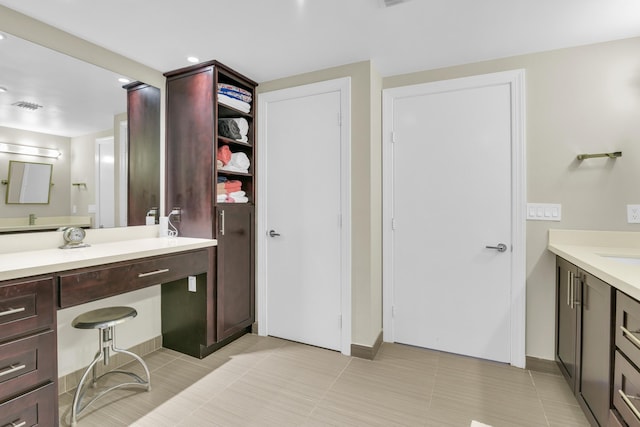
x,y
3,89
124,80
2,36
192,59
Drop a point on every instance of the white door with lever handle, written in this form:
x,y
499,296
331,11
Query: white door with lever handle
x,y
302,237
450,237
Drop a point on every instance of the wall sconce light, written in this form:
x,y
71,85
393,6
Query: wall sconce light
x,y
28,150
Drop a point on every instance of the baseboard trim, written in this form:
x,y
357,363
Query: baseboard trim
x,y
542,365
367,352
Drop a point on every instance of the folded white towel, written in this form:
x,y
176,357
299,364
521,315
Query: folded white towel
x,y
240,160
245,107
237,194
238,199
243,124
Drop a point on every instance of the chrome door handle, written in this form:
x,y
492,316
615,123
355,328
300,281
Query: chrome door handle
x,y
272,233
500,248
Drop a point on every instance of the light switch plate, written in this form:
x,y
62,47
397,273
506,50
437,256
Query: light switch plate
x,y
544,212
192,283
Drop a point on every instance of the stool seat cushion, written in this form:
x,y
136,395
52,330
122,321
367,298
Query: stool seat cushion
x,y
104,317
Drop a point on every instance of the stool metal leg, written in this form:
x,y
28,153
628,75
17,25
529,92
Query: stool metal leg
x,y
107,342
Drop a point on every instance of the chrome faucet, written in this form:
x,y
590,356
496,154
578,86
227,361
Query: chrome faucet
x,y
32,219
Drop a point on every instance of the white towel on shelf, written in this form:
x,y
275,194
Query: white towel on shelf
x,y
245,107
237,194
243,124
239,163
238,199
240,160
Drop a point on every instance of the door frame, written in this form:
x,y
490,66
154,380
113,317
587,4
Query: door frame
x,y
342,85
110,140
516,80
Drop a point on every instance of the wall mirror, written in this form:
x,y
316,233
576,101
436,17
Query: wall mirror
x,y
70,104
28,183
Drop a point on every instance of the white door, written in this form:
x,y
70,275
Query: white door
x,y
300,227
452,218
105,183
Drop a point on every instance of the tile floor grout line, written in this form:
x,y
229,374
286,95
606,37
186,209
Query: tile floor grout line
x,y
544,410
328,389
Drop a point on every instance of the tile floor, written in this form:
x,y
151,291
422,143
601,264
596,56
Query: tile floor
x,y
263,381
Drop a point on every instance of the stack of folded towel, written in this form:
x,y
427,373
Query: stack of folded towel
x,y
233,162
230,191
234,128
235,97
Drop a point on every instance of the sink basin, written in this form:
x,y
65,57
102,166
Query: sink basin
x,y
623,260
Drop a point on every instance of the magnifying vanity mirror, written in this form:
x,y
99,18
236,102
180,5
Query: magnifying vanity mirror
x,y
52,100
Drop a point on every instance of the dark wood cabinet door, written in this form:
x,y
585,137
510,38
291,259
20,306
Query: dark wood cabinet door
x,y
235,279
566,320
596,344
143,124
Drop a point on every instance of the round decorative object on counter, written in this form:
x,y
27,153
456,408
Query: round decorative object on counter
x,y
73,237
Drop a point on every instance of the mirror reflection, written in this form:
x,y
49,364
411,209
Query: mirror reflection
x,y
28,183
51,100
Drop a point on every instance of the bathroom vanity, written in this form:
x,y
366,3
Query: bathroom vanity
x,y
598,321
35,283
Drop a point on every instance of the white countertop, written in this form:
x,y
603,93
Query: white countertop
x,y
43,223
52,259
592,252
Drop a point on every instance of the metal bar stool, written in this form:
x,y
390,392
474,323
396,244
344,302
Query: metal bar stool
x,y
105,319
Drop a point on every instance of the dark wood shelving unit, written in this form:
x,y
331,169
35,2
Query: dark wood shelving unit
x,y
192,173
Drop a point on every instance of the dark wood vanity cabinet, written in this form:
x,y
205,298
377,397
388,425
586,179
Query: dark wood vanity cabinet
x,y
28,362
567,321
235,273
584,338
143,127
192,177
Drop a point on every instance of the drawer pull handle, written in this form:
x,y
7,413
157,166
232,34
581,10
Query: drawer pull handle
x,y
632,337
11,369
151,273
12,311
627,400
13,424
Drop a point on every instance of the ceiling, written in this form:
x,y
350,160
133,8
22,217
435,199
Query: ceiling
x,y
266,40
77,98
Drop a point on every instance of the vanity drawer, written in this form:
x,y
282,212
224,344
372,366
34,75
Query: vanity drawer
x,y
626,390
26,363
89,284
628,327
26,305
36,408
613,420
